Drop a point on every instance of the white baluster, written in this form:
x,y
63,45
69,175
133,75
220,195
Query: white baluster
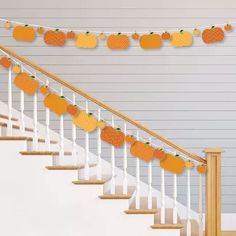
x,y
150,182
125,165
22,108
137,199
99,150
61,156
35,138
86,166
74,154
175,217
9,127
188,203
200,206
113,184
163,197
48,144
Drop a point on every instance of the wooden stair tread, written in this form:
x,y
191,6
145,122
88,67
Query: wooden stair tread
x,y
25,138
167,226
42,153
141,211
6,117
67,167
90,182
16,127
115,196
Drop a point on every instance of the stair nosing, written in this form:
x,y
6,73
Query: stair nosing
x,y
167,226
115,196
141,211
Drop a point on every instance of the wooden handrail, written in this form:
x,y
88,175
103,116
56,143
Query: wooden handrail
x,y
102,104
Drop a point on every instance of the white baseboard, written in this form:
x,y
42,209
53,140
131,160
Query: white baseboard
x,y
228,221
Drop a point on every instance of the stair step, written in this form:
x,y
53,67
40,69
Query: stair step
x,y
115,196
67,167
141,211
6,117
19,138
43,153
167,226
17,127
91,181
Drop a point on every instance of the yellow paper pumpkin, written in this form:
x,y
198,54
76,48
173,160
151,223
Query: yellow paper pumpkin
x,y
16,69
7,25
181,39
85,121
86,40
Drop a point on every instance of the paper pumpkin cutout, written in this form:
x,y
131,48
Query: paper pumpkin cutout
x,y
142,150
130,139
55,38
201,169
70,35
101,124
213,35
44,89
7,25
196,32
113,136
85,121
159,154
26,83
40,30
150,41
102,36
118,41
72,109
56,104
16,69
174,164
86,40
165,36
181,39
135,36
228,27
5,62
24,33
189,164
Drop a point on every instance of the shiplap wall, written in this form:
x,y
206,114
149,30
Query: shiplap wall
x,y
187,94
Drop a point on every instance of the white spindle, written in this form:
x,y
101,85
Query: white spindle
x,y
74,134
125,165
61,156
150,182
188,203
35,138
9,127
163,197
86,165
137,199
175,217
113,184
22,108
99,150
200,206
48,144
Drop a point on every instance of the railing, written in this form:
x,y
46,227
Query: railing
x,y
212,155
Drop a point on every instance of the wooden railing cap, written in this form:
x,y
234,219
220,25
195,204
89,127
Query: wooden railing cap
x,y
213,150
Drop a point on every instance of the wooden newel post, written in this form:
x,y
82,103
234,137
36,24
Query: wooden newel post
x,y
213,192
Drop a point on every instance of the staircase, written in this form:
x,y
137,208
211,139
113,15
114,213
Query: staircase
x,y
106,198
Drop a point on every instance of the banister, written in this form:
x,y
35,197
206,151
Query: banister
x,y
103,105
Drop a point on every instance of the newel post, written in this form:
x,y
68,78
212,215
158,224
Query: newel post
x,y
213,192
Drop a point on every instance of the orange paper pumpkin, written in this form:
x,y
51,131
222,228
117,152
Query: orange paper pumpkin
x,y
5,62
213,35
150,41
159,154
85,121
56,104
102,36
119,41
130,139
142,150
23,33
181,39
201,169
165,36
44,89
228,27
70,35
72,109
26,83
189,164
40,30
174,164
86,40
135,36
55,38
113,136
